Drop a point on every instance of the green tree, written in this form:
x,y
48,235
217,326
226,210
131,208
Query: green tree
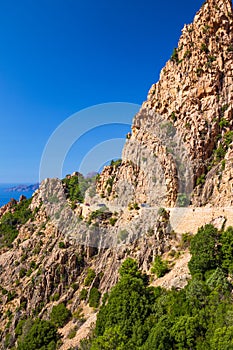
x,y
90,277
94,297
226,240
205,250
112,339
129,268
12,220
127,308
185,332
42,335
160,337
60,315
218,281
222,339
159,267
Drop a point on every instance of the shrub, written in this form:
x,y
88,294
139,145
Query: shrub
x,y
60,315
205,250
162,212
22,272
129,268
187,54
174,56
90,277
10,222
33,264
204,48
74,286
199,71
41,335
185,240
61,245
94,297
72,333
201,180
226,240
223,123
173,117
220,152
159,267
116,163
228,138
112,221
83,294
136,206
182,200
76,187
55,297
11,295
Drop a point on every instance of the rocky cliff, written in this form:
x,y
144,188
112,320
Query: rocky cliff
x,y
178,153
192,104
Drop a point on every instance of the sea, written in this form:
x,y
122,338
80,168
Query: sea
x,y
6,196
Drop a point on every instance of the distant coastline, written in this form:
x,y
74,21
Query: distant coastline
x,y
23,188
15,190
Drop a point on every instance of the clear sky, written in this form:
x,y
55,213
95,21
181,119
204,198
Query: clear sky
x,y
60,56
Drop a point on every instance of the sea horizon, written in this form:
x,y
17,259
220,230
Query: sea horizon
x,y
5,196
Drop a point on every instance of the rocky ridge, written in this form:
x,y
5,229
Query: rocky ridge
x,y
194,96
175,146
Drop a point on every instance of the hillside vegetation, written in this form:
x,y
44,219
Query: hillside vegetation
x,y
200,316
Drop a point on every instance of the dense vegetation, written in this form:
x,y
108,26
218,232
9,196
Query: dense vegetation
x,y
76,187
60,315
42,334
36,335
10,221
200,316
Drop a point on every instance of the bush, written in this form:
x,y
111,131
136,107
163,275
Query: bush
x,y
205,250
223,123
116,163
201,180
22,272
185,240
220,152
182,200
72,333
112,221
94,297
129,268
174,56
204,48
60,315
228,138
41,335
162,212
10,222
83,294
90,277
61,245
159,267
55,297
226,240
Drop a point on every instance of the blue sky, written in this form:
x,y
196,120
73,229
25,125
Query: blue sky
x,y
58,57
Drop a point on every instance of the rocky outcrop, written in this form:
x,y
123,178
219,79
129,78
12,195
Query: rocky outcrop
x,y
179,151
8,207
194,96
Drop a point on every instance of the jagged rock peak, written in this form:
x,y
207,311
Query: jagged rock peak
x,y
195,95
213,10
219,5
